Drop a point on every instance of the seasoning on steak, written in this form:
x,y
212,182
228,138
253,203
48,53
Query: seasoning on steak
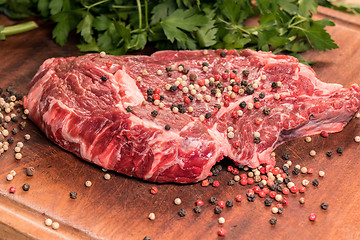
x,y
171,116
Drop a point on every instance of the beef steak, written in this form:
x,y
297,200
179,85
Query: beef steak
x,y
171,116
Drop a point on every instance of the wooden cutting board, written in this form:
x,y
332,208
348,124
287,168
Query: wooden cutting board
x,y
118,208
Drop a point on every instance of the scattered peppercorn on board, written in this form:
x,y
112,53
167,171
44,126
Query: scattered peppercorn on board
x,y
67,198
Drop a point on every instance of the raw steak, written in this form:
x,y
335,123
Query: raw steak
x,y
131,114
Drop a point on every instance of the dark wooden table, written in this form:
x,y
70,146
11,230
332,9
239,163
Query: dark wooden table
x,y
118,208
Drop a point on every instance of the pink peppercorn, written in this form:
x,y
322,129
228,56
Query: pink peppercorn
x,y
302,189
229,168
109,63
279,205
275,171
205,183
312,217
265,190
294,189
232,75
283,175
216,183
243,176
235,171
12,190
227,97
264,177
258,121
262,170
187,100
221,204
257,105
272,194
154,190
234,114
217,77
201,82
285,201
180,87
262,194
243,181
285,191
310,170
157,96
226,103
225,76
250,192
236,88
221,232
269,182
257,189
157,90
236,144
250,181
199,203
238,198
324,134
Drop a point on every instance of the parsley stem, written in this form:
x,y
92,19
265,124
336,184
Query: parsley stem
x,y
124,7
95,4
19,28
140,13
146,15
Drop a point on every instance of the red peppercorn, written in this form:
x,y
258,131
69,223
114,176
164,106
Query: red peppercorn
x,y
187,100
221,204
225,76
258,121
243,181
257,105
272,194
234,114
232,75
210,174
285,201
236,88
157,97
243,176
205,183
226,103
281,171
237,79
269,183
227,97
201,82
217,77
294,189
279,205
285,191
302,189
262,194
250,181
283,175
221,232
275,171
230,168
312,217
180,87
216,183
269,168
262,170
157,90
235,171
250,192
266,190
154,190
264,177
12,190
238,198
310,170
236,144
108,63
257,189
199,203
324,134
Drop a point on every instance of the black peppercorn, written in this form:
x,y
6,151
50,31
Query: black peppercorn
x,y
22,126
14,131
15,119
268,202
257,140
129,108
267,111
242,104
213,200
229,203
220,86
231,182
246,73
273,187
324,205
73,194
244,83
104,78
273,220
255,99
168,68
182,212
185,71
241,166
150,91
154,113
197,209
280,210
223,54
208,115
181,108
249,89
261,185
262,95
205,64
26,187
217,210
10,140
169,74
218,106
274,85
296,171
213,91
287,180
315,182
251,198
173,88
147,238
285,156
150,99
30,171
285,169
329,153
191,98
211,180
192,77
211,83
167,127
339,150
161,97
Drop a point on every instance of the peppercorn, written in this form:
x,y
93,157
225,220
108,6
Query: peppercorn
x,y
208,115
173,88
324,205
274,85
10,140
223,54
185,71
216,183
22,125
197,209
30,171
273,220
244,83
147,238
249,89
267,111
287,180
205,64
255,99
15,119
217,210
104,78
129,108
182,212
167,127
312,217
154,190
229,203
26,187
296,171
14,131
315,182
231,182
213,91
329,153
169,74
154,113
262,95
261,185
242,104
339,150
251,198
73,194
268,202
211,180
193,76
245,73
213,200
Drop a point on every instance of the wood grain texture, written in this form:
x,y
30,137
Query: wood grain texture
x,y
118,208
